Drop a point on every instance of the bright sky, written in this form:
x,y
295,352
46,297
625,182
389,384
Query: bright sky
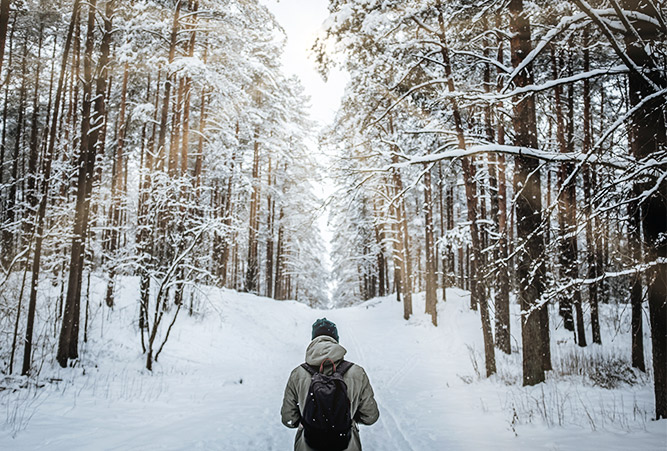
x,y
302,20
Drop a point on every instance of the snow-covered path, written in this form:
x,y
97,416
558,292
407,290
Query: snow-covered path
x,y
219,386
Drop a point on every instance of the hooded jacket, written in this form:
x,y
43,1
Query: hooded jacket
x,y
364,409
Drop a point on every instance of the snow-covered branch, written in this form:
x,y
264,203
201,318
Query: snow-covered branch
x,y
441,154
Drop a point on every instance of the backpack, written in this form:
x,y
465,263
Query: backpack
x,y
326,419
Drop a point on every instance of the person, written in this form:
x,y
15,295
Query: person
x,y
321,352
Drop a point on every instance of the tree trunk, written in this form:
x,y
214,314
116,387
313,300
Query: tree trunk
x,y
648,137
34,140
588,190
227,212
199,158
431,282
502,296
279,290
450,225
9,241
144,235
635,241
48,157
4,23
164,113
117,191
185,146
477,295
572,268
399,205
3,144
91,127
270,209
565,302
440,252
397,239
503,283
381,261
252,271
530,265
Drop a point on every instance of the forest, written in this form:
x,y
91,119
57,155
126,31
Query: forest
x,y
513,150
140,139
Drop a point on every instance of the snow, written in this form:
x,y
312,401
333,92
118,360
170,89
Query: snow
x,y
220,380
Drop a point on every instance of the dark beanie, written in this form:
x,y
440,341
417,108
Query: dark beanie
x,y
325,327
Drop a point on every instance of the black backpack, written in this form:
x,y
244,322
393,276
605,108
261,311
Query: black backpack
x,y
326,419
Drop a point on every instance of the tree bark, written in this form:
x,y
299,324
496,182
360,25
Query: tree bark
x,y
440,252
530,265
270,209
503,295
402,222
397,240
637,327
279,285
431,282
252,271
144,234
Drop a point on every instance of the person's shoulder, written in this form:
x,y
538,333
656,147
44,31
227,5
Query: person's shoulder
x,y
301,373
299,370
356,370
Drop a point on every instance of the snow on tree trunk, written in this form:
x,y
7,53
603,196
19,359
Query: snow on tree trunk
x,y
528,208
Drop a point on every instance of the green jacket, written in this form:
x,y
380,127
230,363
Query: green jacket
x,y
363,405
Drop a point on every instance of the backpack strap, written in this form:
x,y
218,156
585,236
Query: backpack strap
x,y
309,368
343,366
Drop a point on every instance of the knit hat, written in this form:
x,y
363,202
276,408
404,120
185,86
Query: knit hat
x,y
325,327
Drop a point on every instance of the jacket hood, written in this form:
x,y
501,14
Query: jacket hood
x,y
322,348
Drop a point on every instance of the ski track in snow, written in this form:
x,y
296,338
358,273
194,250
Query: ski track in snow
x,y
403,372
220,381
398,439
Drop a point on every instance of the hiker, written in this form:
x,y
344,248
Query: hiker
x,y
307,406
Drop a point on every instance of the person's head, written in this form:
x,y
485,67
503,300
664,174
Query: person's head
x,y
325,327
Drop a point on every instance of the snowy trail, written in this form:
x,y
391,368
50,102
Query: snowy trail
x,y
389,429
220,382
412,373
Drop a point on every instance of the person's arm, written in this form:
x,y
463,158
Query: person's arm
x,y
290,410
367,412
